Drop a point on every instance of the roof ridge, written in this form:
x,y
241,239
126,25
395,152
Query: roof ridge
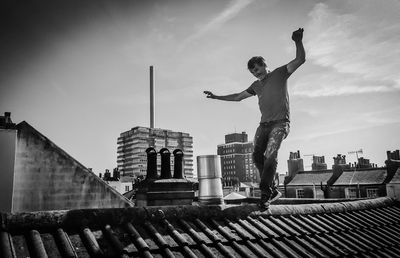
x,y
114,216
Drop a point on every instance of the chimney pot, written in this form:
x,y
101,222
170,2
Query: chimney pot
x,y
165,163
178,163
151,163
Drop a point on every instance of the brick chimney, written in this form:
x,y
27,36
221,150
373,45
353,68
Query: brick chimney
x,y
392,164
340,161
6,122
295,164
164,190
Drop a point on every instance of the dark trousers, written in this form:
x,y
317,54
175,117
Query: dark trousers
x,y
267,141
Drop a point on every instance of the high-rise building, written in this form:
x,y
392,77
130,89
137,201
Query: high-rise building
x,y
236,159
132,144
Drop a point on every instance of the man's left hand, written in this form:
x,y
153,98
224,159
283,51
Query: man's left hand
x,y
297,35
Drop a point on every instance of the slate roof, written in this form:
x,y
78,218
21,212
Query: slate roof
x,y
362,177
363,228
311,178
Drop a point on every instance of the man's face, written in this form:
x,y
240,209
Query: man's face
x,y
259,71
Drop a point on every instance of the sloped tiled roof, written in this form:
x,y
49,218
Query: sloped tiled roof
x,y
311,178
362,177
366,228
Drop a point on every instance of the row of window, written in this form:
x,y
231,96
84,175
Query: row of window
x,y
350,193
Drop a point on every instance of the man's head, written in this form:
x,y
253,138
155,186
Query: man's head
x,y
257,67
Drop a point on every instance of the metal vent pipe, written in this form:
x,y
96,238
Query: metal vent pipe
x,y
210,179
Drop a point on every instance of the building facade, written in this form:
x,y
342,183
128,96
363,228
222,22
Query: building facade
x,y
236,159
344,181
132,144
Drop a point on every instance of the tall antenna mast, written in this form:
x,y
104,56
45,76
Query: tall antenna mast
x,y
152,102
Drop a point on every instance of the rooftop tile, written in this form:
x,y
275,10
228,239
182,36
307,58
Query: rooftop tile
x,y
363,228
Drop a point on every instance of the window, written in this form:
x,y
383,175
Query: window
x,y
372,192
351,193
127,188
299,193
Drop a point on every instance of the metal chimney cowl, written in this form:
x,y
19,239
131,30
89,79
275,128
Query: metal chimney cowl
x,y
210,179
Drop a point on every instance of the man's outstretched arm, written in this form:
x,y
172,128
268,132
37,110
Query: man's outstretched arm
x,y
297,37
231,97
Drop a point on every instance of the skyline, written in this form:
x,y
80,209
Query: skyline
x,y
79,73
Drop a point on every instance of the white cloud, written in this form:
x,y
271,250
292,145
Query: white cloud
x,y
358,42
330,83
227,14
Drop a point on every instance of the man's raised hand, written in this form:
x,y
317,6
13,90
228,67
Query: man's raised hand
x,y
209,94
297,35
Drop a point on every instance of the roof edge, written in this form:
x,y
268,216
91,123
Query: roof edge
x,y
335,207
113,216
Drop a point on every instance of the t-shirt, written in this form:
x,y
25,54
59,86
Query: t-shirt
x,y
273,98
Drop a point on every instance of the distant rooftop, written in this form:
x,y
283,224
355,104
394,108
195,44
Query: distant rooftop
x,y
370,176
311,178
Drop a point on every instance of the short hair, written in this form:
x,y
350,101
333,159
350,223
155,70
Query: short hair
x,y
256,60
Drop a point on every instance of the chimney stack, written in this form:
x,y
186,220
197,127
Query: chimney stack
x,y
164,190
152,111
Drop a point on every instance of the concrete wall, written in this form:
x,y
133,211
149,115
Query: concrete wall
x,y
393,190
47,178
8,140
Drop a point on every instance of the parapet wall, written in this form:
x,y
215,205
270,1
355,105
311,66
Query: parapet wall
x,y
47,178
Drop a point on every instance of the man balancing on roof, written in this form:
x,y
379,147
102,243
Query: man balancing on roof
x,y
273,100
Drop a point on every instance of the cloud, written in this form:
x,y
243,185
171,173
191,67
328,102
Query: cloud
x,y
358,44
227,14
331,83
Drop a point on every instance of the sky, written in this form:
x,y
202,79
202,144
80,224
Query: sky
x,y
79,72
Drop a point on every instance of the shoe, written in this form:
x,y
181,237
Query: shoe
x,y
263,205
264,202
275,195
